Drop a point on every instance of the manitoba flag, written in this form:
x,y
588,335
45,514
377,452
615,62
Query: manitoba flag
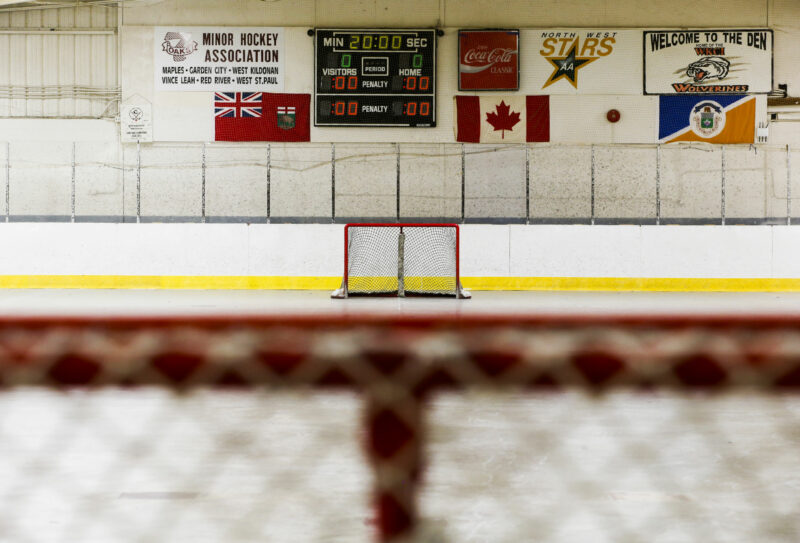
x,y
502,119
261,116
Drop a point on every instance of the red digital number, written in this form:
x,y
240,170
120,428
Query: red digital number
x,y
411,83
341,82
344,108
421,108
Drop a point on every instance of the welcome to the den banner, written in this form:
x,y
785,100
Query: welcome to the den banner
x,y
709,61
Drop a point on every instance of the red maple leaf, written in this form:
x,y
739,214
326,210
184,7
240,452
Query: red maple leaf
x,y
502,120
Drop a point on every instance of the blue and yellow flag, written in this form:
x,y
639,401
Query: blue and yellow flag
x,y
710,118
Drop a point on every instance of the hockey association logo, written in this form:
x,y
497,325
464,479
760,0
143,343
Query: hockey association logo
x,y
179,45
708,68
136,114
707,119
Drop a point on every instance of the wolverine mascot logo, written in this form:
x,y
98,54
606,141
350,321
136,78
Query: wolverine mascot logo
x,y
708,68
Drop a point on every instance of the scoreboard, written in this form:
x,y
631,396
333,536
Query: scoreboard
x,y
375,78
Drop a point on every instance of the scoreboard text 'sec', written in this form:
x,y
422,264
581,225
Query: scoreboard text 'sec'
x,y
375,78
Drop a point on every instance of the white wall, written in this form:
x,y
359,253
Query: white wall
x,y
188,116
626,180
59,130
560,175
781,15
430,185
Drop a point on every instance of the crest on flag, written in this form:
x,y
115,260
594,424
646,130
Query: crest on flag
x,y
237,105
286,117
707,119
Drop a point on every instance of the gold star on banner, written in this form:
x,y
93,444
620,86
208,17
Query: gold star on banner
x,y
567,67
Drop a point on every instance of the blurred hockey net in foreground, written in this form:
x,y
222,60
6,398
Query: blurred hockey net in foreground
x,y
400,429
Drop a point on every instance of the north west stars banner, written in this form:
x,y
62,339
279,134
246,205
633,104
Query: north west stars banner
x,y
261,116
502,119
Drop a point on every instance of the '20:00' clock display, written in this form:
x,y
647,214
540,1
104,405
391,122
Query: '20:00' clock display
x,y
375,78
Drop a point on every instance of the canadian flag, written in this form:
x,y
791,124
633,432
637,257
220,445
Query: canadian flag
x,y
502,119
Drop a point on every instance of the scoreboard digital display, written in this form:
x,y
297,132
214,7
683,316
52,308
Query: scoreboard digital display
x,y
375,78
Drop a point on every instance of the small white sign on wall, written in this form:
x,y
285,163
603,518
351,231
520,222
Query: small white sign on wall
x,y
708,61
219,59
136,122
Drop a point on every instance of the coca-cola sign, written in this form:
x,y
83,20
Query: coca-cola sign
x,y
488,60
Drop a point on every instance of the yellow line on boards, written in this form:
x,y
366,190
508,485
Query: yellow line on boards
x,y
648,284
192,282
632,284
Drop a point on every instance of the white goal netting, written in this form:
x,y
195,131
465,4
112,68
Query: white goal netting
x,y
473,429
402,259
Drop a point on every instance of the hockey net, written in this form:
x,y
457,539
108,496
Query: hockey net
x,y
401,259
474,429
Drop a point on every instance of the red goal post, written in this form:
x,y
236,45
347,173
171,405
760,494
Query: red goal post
x,y
403,259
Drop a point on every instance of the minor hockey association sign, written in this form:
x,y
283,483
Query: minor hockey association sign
x,y
723,61
246,59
